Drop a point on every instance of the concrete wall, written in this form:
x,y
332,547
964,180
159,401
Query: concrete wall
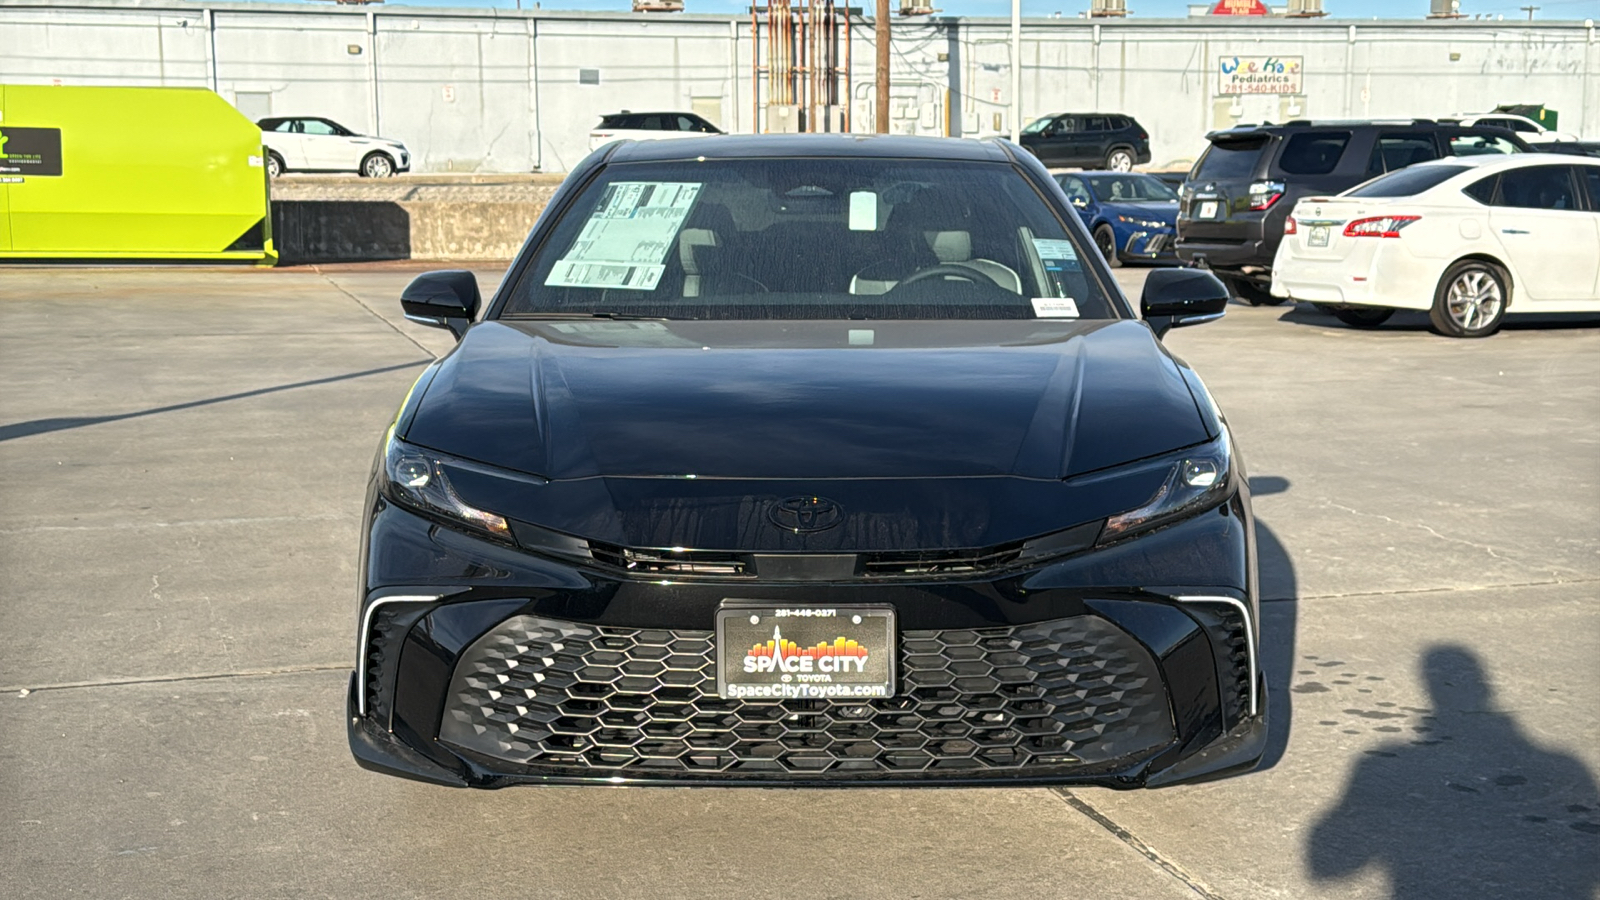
x,y
499,90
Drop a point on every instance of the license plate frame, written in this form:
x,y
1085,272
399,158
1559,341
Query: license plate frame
x,y
860,639
1318,236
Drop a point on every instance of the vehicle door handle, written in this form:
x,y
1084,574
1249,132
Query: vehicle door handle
x,y
1512,231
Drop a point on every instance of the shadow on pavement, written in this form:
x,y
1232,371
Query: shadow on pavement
x,y
1468,806
1279,594
1411,320
44,426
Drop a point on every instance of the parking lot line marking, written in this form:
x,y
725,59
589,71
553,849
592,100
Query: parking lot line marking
x,y
168,679
1132,840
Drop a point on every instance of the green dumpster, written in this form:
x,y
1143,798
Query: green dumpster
x,y
130,173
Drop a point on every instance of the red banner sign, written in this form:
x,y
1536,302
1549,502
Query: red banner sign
x,y
1239,8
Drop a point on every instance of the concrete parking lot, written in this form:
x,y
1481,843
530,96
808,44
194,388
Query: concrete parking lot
x,y
184,453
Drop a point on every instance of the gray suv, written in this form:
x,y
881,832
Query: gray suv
x,y
1232,207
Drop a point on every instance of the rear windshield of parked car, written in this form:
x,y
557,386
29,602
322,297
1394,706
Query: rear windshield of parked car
x,y
1406,182
1230,159
812,238
1313,152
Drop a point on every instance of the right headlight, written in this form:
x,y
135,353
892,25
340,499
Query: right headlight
x,y
1197,481
415,477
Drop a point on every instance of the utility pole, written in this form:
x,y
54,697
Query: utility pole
x,y
881,38
1529,10
1016,70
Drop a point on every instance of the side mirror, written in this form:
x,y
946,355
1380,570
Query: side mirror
x,y
445,299
1079,202
1176,297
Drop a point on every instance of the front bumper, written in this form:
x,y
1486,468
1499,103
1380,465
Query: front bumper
x,y
1150,243
1062,674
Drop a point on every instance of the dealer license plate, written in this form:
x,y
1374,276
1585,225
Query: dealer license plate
x,y
1318,236
769,652
1208,209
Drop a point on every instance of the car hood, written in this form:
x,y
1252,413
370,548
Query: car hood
x,y
1153,209
807,400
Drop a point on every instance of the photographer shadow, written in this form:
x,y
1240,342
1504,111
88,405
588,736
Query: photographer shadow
x,y
1468,807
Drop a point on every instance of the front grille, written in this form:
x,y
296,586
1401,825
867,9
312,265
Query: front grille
x,y
580,700
655,563
939,562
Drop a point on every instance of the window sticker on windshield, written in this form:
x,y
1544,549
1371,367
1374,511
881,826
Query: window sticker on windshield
x,y
626,240
1055,307
1052,249
863,211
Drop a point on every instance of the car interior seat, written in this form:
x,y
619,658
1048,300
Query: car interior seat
x,y
924,228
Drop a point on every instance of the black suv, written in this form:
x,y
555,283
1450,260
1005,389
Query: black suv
x,y
1088,140
1232,207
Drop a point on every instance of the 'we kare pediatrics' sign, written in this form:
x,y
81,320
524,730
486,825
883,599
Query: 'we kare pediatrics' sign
x,y
1259,75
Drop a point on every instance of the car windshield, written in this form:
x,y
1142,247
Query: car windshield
x,y
1406,182
1038,125
1129,189
810,238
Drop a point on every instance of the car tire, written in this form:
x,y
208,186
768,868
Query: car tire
x,y
275,165
1253,294
1120,159
377,165
1363,316
1105,240
1471,299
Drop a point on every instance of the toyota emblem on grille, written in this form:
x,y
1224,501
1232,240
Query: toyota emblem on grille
x,y
804,515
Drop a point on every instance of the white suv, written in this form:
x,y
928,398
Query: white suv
x,y
1526,128
315,144
636,126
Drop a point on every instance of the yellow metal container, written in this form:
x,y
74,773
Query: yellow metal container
x,y
130,173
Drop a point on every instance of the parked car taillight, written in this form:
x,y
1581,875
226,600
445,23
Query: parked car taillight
x,y
1378,226
1290,226
1265,193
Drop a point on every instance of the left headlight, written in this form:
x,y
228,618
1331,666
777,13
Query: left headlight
x,y
1196,481
1142,223
415,477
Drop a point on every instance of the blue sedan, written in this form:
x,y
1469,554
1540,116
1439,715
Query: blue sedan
x,y
1131,216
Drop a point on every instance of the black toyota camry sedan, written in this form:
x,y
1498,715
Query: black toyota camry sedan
x,y
808,460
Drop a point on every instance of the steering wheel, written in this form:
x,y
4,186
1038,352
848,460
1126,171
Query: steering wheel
x,y
947,270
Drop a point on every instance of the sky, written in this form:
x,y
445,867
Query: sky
x,y
1343,9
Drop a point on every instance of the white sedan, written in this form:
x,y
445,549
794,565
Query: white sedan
x,y
315,144
1468,239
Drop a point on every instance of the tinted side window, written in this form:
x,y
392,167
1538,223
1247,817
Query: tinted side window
x,y
1230,159
1095,123
686,124
1591,175
1396,151
317,126
1313,153
285,125
1538,187
1120,122
1074,189
1482,190
1064,125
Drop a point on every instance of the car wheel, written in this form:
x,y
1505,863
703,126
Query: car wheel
x,y
1106,240
274,165
1120,160
1363,316
377,165
1471,299
1253,294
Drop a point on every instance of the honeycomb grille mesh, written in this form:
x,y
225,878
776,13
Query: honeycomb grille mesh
x,y
575,699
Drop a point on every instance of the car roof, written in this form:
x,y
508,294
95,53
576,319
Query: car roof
x,y
1498,161
651,112
1049,115
746,146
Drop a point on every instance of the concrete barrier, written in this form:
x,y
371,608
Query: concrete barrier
x,y
344,221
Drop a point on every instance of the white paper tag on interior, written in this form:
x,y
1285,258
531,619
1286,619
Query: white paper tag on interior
x,y
1054,249
1055,307
863,211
